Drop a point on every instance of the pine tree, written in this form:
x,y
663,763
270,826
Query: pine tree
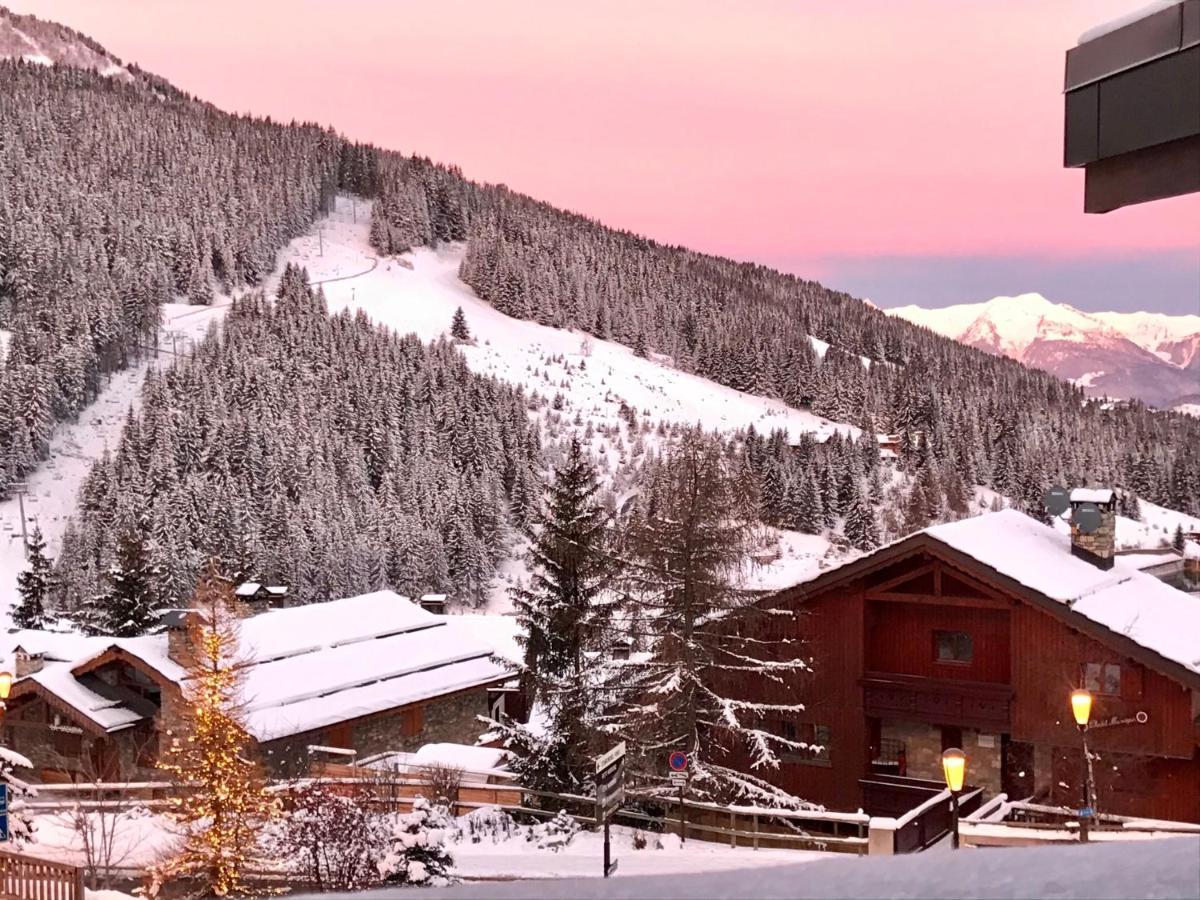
x,y
458,326
128,605
34,585
1179,540
563,620
224,800
688,538
861,528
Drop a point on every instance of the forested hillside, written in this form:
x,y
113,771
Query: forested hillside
x,y
114,198
747,326
319,452
117,195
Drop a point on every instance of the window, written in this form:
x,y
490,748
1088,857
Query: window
x,y
1102,678
816,736
953,647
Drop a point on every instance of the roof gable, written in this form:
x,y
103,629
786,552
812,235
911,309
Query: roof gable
x,y
1122,607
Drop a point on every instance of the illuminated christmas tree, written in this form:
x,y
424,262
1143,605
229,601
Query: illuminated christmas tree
x,y
225,803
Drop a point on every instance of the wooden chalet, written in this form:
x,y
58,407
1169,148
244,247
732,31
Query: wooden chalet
x,y
973,634
358,676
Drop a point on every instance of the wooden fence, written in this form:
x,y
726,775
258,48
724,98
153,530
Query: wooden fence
x,y
29,878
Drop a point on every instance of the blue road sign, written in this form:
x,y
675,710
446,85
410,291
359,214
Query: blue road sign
x,y
4,814
678,761
1086,813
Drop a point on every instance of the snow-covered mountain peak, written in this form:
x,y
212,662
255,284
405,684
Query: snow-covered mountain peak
x,y
33,40
1147,355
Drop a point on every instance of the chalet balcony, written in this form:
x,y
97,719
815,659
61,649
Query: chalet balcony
x,y
937,701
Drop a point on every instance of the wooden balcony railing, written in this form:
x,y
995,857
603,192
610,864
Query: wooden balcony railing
x,y
28,876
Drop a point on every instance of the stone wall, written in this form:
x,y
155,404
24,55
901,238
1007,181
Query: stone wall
x,y
923,752
447,719
451,719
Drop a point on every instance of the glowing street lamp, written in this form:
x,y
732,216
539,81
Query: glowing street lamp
x,y
1081,709
954,767
6,682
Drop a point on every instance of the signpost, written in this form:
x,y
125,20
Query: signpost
x,y
679,774
3,813
610,793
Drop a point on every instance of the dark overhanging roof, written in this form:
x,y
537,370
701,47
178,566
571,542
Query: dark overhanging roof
x,y
1132,110
923,542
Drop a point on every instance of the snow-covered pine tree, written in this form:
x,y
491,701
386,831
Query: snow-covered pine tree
x,y
564,620
223,801
1177,541
458,326
861,527
129,604
686,543
34,585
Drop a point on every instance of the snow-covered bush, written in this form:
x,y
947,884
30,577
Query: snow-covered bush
x,y
418,847
554,834
327,840
20,826
489,823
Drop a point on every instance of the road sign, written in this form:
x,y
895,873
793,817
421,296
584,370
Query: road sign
x,y
1086,813
610,793
604,760
678,779
610,781
4,813
678,761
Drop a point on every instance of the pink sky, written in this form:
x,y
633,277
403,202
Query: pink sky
x,y
803,134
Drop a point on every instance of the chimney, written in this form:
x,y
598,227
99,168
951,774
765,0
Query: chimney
x,y
27,663
1094,526
179,641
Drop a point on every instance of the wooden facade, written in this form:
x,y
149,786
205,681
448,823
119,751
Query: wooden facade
x,y
919,647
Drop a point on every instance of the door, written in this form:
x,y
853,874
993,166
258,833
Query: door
x,y
1016,776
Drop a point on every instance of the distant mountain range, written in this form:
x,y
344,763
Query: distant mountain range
x,y
1148,356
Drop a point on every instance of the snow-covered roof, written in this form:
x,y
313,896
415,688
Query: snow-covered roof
x,y
1191,550
500,632
247,589
1146,9
1122,599
314,665
1091,495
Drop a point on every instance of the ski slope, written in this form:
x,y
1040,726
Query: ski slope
x,y
420,292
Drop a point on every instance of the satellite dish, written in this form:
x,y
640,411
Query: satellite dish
x,y
1057,500
1086,518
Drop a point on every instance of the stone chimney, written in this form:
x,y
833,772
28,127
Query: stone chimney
x,y
27,663
1097,546
179,643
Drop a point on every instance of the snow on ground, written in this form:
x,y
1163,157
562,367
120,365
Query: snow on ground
x,y
1159,869
1189,409
582,857
138,838
420,292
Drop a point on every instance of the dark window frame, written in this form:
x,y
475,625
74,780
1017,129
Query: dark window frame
x,y
1095,678
953,635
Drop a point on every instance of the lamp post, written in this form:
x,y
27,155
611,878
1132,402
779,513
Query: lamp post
x,y
954,766
1081,709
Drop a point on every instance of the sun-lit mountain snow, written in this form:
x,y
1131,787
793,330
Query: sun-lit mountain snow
x,y
47,43
1146,355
